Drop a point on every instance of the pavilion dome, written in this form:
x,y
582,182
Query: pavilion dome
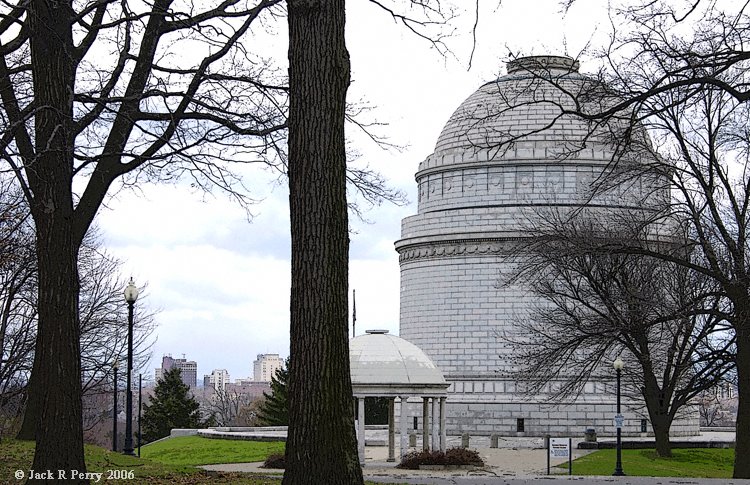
x,y
379,359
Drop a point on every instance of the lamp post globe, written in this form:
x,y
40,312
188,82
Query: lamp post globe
x,y
618,364
131,295
131,292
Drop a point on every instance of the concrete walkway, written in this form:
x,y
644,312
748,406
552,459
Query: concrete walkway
x,y
518,461
499,462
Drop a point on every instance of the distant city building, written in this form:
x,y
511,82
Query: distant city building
x,y
217,379
266,366
249,388
188,368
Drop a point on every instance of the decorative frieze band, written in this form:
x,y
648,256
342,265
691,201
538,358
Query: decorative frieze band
x,y
456,249
545,181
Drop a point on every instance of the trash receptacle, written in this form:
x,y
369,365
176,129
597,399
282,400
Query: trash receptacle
x,y
590,435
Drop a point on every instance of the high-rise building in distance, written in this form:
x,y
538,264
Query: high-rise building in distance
x,y
265,366
188,368
218,379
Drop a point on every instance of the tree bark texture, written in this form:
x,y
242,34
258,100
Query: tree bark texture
x,y
742,438
55,390
321,444
661,423
658,407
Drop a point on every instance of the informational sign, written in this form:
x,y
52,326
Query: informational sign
x,y
619,420
559,447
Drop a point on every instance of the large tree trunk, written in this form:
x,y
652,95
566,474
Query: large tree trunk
x,y
321,444
657,406
55,388
661,424
31,410
742,438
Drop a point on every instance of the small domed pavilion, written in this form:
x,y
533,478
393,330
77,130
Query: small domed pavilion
x,y
384,365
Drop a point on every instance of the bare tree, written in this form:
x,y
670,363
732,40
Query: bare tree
x,y
103,316
92,91
666,320
225,405
692,97
17,308
100,92
17,299
673,81
717,409
248,415
102,308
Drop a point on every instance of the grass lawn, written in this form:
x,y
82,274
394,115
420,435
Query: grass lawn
x,y
195,450
689,462
18,455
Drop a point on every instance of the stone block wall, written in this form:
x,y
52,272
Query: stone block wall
x,y
500,414
455,311
459,310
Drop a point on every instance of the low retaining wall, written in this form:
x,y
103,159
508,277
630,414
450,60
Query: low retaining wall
x,y
265,433
174,433
218,435
639,445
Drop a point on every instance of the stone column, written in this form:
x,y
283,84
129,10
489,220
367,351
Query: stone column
x,y
435,424
425,423
391,429
443,438
361,430
403,418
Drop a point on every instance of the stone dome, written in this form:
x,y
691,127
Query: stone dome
x,y
519,117
378,359
510,150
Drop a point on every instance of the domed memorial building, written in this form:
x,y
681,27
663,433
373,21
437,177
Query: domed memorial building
x,y
504,154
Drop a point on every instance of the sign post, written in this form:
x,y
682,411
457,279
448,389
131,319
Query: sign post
x,y
560,448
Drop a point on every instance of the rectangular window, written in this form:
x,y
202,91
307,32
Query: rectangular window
x,y
520,425
644,425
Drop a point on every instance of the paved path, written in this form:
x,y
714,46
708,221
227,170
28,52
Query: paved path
x,y
519,461
504,467
557,481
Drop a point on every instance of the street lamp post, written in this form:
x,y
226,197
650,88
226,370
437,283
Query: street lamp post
x,y
618,364
131,294
115,366
140,404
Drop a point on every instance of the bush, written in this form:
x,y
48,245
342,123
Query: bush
x,y
452,456
275,460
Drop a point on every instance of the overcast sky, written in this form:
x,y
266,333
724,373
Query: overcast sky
x,y
221,283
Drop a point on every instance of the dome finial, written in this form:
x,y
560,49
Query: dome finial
x,y
544,63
